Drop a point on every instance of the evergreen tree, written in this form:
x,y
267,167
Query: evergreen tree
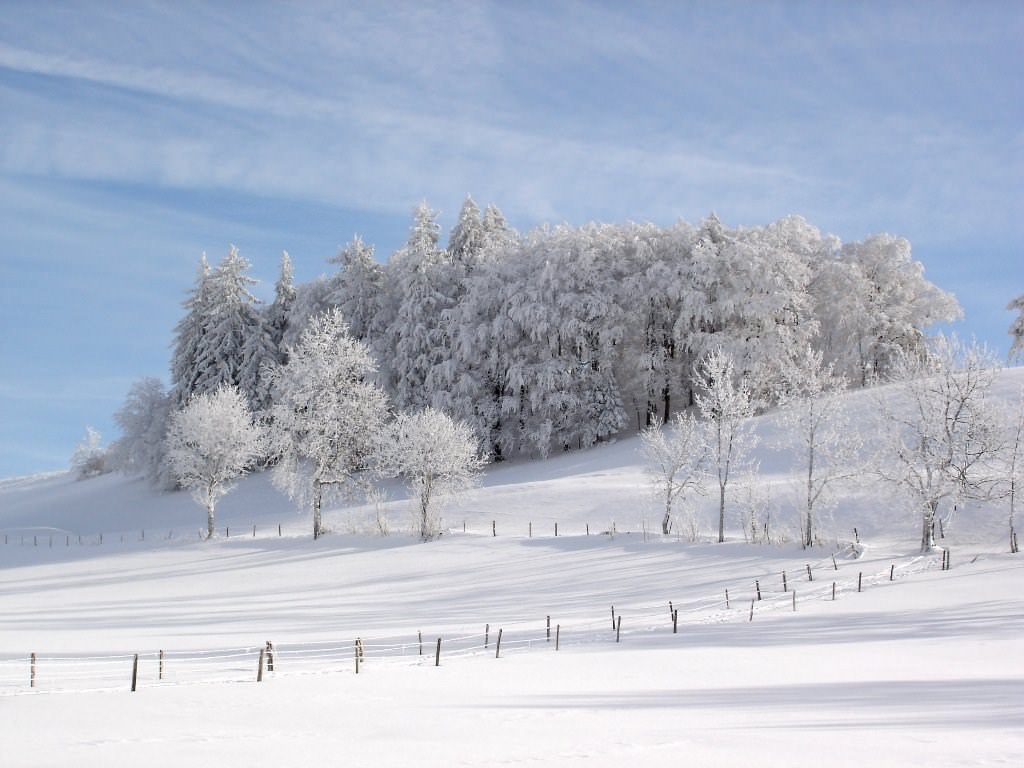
x,y
357,288
188,337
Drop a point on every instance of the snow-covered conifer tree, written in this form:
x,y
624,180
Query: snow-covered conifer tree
x,y
357,288
726,405
188,336
279,312
676,456
468,237
210,443
327,416
436,456
417,340
826,445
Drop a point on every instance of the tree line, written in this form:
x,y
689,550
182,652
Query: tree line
x,y
549,340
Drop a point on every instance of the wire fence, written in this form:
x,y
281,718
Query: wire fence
x,y
821,580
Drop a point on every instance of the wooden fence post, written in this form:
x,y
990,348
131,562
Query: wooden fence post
x,y
860,577
270,656
357,655
135,671
892,571
809,576
784,587
419,634
494,528
259,666
487,634
751,610
549,630
437,654
32,679
618,628
497,650
558,633
833,590
613,618
675,621
794,600
556,530
758,585
727,599
160,675
834,566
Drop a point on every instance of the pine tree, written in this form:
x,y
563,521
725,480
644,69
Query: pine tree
x,y
357,288
188,337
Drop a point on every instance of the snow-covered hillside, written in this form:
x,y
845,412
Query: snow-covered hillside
x,y
921,666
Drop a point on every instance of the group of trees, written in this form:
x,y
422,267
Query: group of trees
x,y
327,434
936,434
550,340
564,336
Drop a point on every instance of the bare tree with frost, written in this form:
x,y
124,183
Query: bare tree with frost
x,y
726,405
1017,330
824,442
211,442
327,416
436,456
938,428
1013,461
676,457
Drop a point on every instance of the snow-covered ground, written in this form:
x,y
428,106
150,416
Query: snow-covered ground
x,y
921,667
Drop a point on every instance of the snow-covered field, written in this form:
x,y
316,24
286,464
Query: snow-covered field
x,y
921,667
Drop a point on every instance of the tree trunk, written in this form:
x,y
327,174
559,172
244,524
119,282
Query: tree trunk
x,y
209,520
809,522
316,509
928,527
721,514
666,522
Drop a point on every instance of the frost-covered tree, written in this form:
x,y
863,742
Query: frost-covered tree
x,y
938,427
223,339
881,304
726,405
417,339
211,442
278,314
357,288
824,443
327,415
188,337
1017,329
468,237
90,457
676,458
141,449
1012,461
436,456
311,299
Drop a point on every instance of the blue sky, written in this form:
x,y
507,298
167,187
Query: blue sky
x,y
135,136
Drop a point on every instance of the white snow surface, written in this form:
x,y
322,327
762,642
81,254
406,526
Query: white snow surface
x,y
921,667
